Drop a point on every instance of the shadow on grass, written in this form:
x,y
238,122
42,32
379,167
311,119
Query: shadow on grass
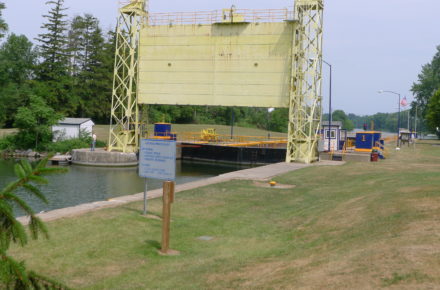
x,y
153,244
152,247
140,211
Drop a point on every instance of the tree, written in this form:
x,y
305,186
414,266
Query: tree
x,y
52,72
433,113
428,83
3,25
91,65
340,115
13,274
278,120
34,122
17,61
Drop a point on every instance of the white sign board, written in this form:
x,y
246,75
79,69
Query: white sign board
x,y
157,159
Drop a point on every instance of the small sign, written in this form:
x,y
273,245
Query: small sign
x,y
157,159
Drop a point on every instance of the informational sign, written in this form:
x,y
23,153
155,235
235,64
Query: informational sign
x,y
157,159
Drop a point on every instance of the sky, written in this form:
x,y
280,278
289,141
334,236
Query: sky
x,y
372,45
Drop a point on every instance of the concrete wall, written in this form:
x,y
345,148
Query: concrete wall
x,y
240,64
103,158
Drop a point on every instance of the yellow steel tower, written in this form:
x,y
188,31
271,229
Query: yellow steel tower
x,y
124,124
305,99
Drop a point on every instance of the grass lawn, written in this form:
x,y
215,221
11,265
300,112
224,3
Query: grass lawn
x,y
356,226
4,132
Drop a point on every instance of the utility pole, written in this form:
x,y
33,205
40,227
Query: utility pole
x,y
415,121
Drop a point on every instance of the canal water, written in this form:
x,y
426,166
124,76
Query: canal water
x,y
88,184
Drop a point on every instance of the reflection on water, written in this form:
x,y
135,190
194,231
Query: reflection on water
x,y
87,184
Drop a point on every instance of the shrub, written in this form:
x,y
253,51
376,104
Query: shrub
x,y
7,143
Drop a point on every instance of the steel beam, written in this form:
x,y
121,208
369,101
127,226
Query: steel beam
x,y
306,83
124,123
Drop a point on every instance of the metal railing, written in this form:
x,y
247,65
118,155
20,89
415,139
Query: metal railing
x,y
226,140
220,16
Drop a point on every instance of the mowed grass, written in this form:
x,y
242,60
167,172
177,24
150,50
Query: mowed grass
x,y
4,132
355,226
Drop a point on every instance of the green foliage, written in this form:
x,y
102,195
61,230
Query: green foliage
x,y
70,144
340,115
428,83
92,67
3,25
433,113
13,274
425,89
7,143
245,117
382,121
17,60
54,82
34,122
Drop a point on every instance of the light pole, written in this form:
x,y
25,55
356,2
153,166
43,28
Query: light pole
x,y
398,116
329,106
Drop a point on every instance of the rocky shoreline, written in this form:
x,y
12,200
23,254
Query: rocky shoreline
x,y
22,153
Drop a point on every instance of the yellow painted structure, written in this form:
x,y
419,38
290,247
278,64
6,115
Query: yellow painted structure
x,y
233,64
252,58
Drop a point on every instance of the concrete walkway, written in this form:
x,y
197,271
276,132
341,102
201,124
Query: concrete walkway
x,y
258,173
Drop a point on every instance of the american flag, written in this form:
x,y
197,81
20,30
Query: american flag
x,y
403,102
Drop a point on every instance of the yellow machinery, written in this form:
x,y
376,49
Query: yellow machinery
x,y
262,58
209,135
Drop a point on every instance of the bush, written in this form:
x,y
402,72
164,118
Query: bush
x,y
7,143
67,145
70,144
34,122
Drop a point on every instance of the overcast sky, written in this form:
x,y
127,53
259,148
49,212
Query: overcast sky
x,y
372,44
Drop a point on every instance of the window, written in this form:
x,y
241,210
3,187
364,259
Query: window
x,y
332,134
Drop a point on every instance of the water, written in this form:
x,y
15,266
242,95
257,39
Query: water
x,y
88,184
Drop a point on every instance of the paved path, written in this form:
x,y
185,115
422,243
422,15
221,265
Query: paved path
x,y
257,173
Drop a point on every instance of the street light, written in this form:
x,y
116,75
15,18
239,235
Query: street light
x,y
398,116
329,106
329,103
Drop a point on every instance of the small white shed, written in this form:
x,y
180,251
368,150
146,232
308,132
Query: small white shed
x,y
330,132
70,128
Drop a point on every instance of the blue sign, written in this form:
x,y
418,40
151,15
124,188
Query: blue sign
x,y
157,159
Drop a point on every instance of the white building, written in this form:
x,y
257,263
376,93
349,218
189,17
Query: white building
x,y
330,135
70,128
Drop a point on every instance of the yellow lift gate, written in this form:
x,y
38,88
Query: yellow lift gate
x,y
252,58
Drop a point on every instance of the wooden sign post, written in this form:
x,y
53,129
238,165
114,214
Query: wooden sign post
x,y
157,159
168,199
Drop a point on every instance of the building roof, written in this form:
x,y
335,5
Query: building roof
x,y
73,121
334,123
